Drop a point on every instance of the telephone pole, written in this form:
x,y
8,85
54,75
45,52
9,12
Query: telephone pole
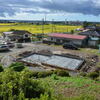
x,y
52,25
43,26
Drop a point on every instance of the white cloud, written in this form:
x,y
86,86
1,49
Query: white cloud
x,y
90,7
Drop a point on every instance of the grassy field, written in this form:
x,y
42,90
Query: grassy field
x,y
74,88
37,28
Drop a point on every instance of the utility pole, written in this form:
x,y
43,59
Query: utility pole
x,y
43,26
45,18
65,21
52,25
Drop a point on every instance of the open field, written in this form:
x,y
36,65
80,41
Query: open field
x,y
37,28
74,88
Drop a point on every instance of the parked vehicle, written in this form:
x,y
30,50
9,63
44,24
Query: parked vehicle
x,y
10,44
19,45
4,47
70,46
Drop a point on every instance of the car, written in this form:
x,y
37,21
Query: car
x,y
10,44
70,45
4,47
19,45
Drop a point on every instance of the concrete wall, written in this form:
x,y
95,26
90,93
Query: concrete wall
x,y
92,43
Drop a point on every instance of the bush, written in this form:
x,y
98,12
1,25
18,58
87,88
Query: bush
x,y
93,75
44,74
61,73
41,74
35,74
1,68
17,66
55,77
82,74
18,86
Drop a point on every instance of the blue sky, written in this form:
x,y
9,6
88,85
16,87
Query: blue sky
x,y
82,10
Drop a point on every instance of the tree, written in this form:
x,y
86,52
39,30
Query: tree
x,y
85,24
1,68
17,66
19,86
72,31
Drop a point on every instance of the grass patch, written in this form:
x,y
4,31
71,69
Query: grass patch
x,y
74,88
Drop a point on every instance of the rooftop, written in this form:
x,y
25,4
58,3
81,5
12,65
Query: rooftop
x,y
61,35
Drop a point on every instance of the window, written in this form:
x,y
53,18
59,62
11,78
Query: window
x,y
26,36
51,38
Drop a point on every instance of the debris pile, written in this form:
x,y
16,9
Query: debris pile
x,y
7,60
90,64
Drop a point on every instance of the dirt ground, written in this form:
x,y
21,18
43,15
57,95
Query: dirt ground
x,y
6,58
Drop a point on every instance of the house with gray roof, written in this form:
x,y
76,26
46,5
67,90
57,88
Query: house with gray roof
x,y
18,36
93,36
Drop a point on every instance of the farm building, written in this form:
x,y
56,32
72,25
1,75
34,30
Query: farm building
x,y
60,38
18,36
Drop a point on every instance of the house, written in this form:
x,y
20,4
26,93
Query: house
x,y
90,33
93,35
60,38
18,36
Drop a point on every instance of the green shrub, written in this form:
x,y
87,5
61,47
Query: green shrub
x,y
93,75
17,66
55,77
61,73
98,79
18,86
44,74
35,74
41,74
48,73
82,74
1,68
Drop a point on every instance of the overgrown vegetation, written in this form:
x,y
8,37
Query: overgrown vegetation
x,y
19,83
93,75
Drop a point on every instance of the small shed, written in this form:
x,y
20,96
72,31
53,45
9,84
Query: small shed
x,y
93,42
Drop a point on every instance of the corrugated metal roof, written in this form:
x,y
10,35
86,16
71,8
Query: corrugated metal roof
x,y
61,35
8,32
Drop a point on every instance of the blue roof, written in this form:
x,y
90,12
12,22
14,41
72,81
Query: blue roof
x,y
94,38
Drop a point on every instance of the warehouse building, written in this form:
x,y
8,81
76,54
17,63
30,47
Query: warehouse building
x,y
60,38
